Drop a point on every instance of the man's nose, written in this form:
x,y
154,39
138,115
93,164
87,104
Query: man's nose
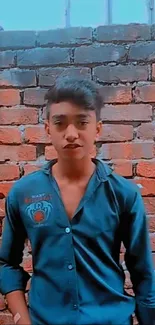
x,y
71,133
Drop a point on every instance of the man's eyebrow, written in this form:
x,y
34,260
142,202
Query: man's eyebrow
x,y
63,116
59,116
83,115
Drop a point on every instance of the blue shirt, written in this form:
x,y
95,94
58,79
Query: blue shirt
x,y
77,276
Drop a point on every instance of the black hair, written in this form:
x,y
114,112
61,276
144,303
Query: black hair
x,y
82,92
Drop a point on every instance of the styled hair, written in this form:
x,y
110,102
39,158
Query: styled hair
x,y
81,92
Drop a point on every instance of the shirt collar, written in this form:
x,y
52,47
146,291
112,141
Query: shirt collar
x,y
102,169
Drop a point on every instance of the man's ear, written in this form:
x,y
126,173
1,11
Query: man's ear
x,y
47,127
98,130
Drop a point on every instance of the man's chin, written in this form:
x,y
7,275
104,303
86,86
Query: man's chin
x,y
74,157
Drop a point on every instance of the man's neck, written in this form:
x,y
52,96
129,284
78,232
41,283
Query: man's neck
x,y
73,171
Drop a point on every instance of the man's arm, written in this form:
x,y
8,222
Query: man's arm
x,y
139,260
18,307
13,278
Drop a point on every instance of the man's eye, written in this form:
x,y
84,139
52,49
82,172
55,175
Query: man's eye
x,y
58,123
83,123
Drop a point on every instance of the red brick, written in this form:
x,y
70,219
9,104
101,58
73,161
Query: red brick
x,y
34,96
6,318
121,73
148,186
131,112
152,238
7,59
5,188
130,32
17,39
30,168
9,135
146,131
135,150
73,35
27,263
153,72
116,133
36,134
18,115
142,51
149,203
48,76
116,94
17,78
145,93
2,208
151,223
50,153
146,169
123,168
2,303
43,57
9,172
100,53
18,153
9,97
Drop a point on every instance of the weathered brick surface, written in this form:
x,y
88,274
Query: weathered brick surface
x,y
7,59
9,97
36,134
116,133
47,76
120,59
147,185
17,78
142,51
17,153
145,93
9,172
121,73
126,151
42,57
9,135
127,113
74,35
149,203
123,167
17,115
132,32
116,94
151,223
34,96
15,40
100,53
146,169
146,131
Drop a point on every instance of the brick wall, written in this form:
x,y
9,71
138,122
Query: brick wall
x,y
121,59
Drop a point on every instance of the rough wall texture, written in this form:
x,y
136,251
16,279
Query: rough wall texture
x,y
121,59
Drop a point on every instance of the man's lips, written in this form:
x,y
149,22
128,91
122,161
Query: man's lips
x,y
72,146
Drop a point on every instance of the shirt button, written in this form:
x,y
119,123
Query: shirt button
x,y
75,306
70,266
67,230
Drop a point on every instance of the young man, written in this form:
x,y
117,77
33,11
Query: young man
x,y
76,212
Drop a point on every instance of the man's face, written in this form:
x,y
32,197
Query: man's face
x,y
72,130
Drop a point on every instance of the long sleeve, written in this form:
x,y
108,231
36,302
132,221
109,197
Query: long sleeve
x,y
12,275
139,260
